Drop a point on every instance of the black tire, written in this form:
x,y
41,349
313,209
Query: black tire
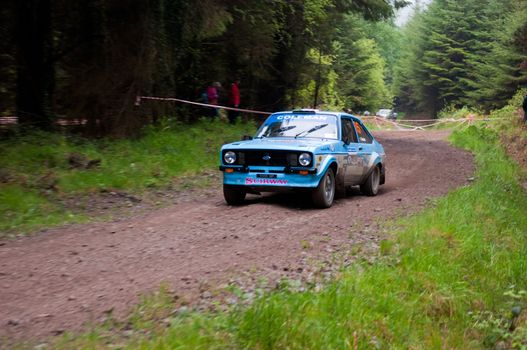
x,y
371,186
233,195
324,194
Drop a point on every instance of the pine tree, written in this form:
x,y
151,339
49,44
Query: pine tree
x,y
451,41
466,53
502,67
407,82
361,76
35,81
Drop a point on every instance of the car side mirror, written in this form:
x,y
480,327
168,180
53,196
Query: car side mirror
x,y
246,137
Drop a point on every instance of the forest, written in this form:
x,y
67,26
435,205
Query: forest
x,y
113,229
88,60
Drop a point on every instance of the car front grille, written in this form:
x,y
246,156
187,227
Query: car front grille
x,y
267,158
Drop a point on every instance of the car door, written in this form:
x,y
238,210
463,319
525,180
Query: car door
x,y
353,167
364,148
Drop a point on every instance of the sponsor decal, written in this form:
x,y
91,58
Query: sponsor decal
x,y
305,117
253,181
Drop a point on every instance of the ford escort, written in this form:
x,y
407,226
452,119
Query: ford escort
x,y
304,150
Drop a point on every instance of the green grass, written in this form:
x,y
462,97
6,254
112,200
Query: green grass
x,y
23,207
446,279
35,171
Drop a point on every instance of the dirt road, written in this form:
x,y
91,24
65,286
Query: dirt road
x,y
66,277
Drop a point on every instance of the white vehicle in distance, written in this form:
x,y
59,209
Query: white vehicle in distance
x,y
386,114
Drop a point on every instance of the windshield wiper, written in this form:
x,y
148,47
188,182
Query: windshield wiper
x,y
315,128
285,128
282,129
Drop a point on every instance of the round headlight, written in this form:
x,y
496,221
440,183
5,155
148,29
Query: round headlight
x,y
304,159
229,157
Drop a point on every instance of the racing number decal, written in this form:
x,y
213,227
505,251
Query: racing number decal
x,y
354,160
349,159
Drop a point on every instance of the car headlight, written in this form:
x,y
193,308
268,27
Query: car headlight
x,y
304,159
229,157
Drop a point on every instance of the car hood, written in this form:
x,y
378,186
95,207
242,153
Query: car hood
x,y
292,144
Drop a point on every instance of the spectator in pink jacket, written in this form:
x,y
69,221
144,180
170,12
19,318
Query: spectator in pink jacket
x,y
212,96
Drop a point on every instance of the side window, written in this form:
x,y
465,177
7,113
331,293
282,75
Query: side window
x,y
364,136
348,132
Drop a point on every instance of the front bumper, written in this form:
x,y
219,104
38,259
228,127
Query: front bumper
x,y
270,177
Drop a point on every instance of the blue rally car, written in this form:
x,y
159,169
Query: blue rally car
x,y
307,149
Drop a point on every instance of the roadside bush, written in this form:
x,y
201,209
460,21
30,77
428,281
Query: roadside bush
x,y
456,113
43,168
512,110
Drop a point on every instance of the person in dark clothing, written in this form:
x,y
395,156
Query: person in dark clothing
x,y
234,101
524,105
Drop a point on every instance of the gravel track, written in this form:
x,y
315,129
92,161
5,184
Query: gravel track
x,y
64,278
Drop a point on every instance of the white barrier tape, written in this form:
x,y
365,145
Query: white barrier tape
x,y
435,120
402,126
375,118
139,98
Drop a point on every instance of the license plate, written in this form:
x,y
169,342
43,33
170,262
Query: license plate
x,y
266,176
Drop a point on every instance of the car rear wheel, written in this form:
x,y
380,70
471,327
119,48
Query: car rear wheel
x,y
371,186
233,195
324,194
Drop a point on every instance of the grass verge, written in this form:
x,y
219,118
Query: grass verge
x,y
451,277
40,169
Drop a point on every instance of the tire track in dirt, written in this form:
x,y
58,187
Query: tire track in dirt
x,y
61,279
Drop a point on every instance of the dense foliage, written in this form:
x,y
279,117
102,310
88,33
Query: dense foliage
x,y
462,53
89,59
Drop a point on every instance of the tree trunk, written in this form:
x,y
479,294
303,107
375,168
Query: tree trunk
x,y
35,69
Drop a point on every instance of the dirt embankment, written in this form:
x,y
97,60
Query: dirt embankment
x,y
66,277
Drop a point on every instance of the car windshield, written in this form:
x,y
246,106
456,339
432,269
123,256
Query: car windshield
x,y
299,125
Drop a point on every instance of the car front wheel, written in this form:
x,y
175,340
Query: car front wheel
x,y
324,194
233,195
371,186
